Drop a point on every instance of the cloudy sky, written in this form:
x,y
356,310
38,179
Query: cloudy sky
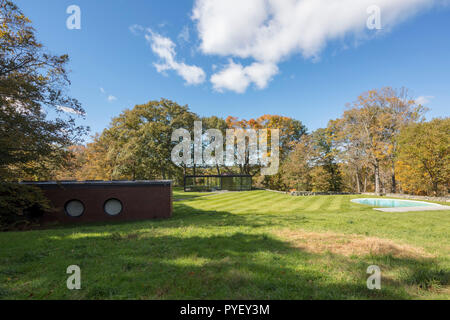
x,y
300,58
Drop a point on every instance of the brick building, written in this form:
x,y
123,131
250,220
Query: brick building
x,y
106,201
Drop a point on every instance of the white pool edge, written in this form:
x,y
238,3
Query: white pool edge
x,y
400,200
411,209
431,206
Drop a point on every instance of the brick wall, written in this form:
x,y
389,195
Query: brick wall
x,y
139,200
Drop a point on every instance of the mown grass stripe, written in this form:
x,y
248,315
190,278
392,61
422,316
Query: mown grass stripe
x,y
226,202
255,203
302,203
336,204
317,204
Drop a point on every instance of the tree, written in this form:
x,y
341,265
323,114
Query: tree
x,y
20,204
290,132
220,124
424,157
296,170
368,129
402,111
33,83
320,179
351,157
311,166
86,162
138,141
326,151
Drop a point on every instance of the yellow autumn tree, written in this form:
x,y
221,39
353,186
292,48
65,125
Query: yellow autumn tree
x,y
424,157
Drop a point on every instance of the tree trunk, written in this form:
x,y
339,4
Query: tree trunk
x,y
394,182
218,169
436,188
376,167
358,189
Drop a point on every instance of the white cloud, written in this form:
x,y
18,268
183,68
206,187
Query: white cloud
x,y
184,35
111,98
269,31
135,29
423,100
232,78
237,78
162,24
164,48
261,73
68,110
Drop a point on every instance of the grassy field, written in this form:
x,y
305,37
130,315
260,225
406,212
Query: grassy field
x,y
249,245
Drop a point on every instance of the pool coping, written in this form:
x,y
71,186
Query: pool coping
x,y
431,207
410,209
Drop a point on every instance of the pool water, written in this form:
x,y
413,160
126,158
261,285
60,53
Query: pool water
x,y
393,203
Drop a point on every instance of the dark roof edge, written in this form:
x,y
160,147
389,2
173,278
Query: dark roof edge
x,y
219,176
98,183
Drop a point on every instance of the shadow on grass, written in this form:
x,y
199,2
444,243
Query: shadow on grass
x,y
142,261
243,266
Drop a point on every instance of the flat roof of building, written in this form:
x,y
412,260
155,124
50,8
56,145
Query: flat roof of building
x,y
98,183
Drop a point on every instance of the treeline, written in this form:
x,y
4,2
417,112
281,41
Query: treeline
x,y
137,145
380,144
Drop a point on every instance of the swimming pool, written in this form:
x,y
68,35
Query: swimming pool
x,y
394,203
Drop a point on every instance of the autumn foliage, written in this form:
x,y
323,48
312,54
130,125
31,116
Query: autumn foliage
x,y
380,144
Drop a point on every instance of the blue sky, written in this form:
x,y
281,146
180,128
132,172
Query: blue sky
x,y
306,71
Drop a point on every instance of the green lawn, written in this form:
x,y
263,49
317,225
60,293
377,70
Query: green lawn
x,y
248,245
179,194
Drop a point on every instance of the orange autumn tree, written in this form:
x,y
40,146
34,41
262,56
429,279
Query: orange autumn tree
x,y
97,165
291,131
88,162
296,170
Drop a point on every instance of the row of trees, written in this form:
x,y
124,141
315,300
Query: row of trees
x,y
380,144
137,145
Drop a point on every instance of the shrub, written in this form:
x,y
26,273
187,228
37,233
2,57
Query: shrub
x,y
21,203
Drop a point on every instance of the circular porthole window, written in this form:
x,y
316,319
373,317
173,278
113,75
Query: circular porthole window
x,y
113,207
74,208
